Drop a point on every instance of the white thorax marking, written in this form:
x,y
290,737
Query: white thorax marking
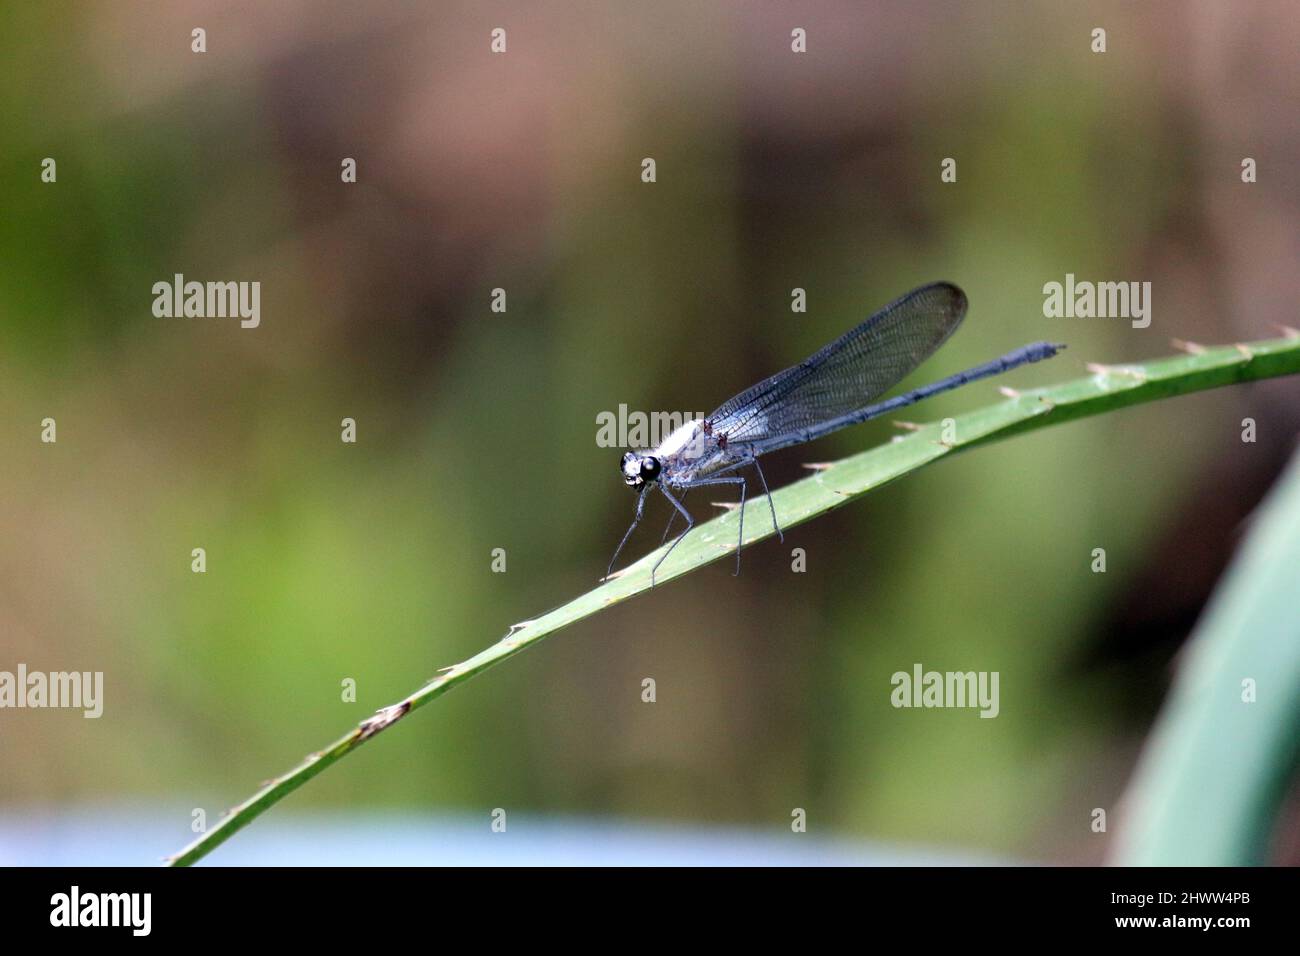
x,y
678,440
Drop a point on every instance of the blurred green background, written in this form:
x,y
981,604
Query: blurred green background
x,y
476,430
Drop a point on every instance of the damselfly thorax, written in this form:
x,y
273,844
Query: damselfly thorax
x,y
693,451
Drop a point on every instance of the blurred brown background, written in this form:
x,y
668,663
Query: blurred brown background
x,y
477,430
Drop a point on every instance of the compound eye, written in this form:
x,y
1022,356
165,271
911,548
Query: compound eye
x,y
650,468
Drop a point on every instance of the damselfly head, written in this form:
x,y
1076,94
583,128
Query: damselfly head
x,y
638,469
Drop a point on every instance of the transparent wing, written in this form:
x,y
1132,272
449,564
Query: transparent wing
x,y
850,372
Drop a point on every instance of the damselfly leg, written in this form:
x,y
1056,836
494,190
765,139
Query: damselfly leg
x,y
759,468
672,518
640,510
701,483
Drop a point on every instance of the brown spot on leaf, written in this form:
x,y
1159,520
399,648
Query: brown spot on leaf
x,y
382,719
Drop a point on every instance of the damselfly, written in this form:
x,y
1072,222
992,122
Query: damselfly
x,y
830,390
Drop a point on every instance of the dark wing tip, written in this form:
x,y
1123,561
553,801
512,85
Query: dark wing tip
x,y
953,297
